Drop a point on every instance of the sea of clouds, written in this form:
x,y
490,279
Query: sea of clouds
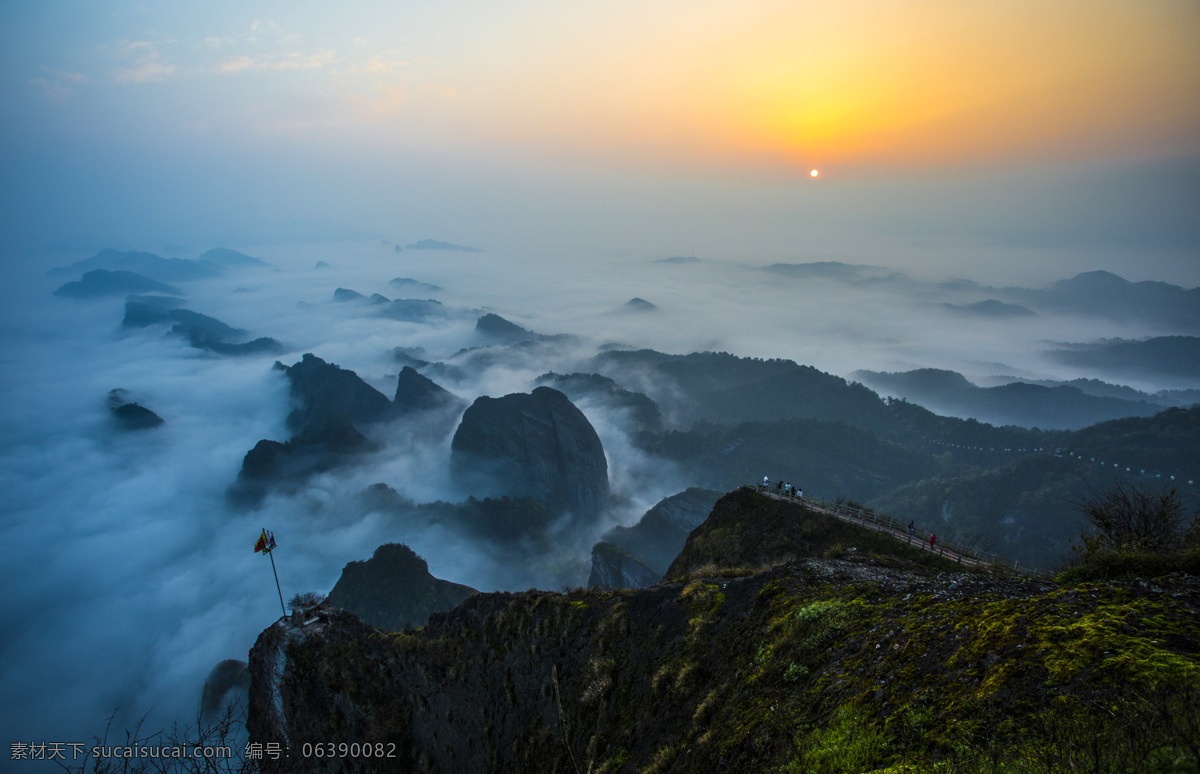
x,y
128,574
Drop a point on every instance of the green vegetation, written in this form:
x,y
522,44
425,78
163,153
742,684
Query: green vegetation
x,y
747,532
868,663
1135,531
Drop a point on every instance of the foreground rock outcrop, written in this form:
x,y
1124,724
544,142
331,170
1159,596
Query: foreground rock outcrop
x,y
531,445
825,665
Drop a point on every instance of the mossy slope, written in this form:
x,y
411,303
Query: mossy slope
x,y
815,665
748,530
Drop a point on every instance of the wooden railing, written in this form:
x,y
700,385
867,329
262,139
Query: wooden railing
x,y
865,517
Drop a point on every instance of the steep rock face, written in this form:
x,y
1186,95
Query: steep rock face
x,y
615,568
323,389
393,590
661,533
333,442
331,400
319,448
416,393
531,445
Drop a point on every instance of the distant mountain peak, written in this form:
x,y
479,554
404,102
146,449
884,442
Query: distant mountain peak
x,y
495,324
433,244
1095,279
640,305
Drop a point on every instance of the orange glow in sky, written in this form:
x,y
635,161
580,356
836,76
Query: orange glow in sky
x,y
865,82
677,84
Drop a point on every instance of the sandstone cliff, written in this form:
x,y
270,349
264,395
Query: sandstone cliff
x,y
531,445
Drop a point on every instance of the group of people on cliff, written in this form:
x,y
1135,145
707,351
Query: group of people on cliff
x,y
912,530
784,488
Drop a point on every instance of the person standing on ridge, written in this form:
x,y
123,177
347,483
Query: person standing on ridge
x,y
912,528
932,540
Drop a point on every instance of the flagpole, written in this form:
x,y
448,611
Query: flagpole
x,y
281,607
270,552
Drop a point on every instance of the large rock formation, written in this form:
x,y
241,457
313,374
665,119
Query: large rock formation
x,y
332,401
333,442
531,445
416,393
393,590
323,389
201,331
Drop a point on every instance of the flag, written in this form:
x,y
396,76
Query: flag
x,y
261,544
271,541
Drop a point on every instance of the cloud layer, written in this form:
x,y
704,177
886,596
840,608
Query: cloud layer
x,y
135,575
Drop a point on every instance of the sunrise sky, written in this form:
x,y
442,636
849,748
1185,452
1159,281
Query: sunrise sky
x,y
473,116
581,147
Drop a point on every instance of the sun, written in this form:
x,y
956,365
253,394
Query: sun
x,y
814,173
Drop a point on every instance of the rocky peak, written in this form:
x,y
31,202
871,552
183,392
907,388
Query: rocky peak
x,y
416,392
394,590
531,445
323,389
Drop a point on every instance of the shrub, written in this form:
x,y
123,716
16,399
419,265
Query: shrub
x,y
305,600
